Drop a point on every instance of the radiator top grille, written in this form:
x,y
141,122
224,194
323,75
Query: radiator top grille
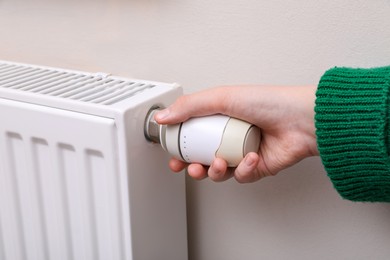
x,y
96,88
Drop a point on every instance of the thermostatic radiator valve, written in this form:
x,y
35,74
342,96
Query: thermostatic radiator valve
x,y
201,139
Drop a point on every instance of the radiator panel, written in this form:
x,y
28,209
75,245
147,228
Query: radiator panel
x,y
60,194
78,180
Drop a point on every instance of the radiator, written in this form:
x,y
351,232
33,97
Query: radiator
x,y
78,180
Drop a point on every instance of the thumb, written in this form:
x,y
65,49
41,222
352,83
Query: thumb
x,y
207,102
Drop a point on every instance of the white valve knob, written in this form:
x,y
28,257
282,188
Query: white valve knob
x,y
202,139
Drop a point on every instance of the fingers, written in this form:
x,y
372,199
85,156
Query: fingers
x,y
195,170
247,171
219,171
177,165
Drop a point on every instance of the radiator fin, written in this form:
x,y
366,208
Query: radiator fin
x,y
12,222
2,255
92,88
95,164
40,152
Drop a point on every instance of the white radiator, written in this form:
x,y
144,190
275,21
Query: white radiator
x,y
78,180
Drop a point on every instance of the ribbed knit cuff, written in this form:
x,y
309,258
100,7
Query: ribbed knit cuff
x,y
352,121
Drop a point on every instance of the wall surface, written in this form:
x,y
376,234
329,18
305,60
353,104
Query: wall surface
x,y
202,43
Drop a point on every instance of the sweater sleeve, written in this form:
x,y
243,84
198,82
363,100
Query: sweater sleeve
x,y
352,128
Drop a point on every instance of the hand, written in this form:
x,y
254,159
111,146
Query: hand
x,y
284,114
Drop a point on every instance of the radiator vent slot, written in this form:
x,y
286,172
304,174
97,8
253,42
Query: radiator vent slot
x,y
92,88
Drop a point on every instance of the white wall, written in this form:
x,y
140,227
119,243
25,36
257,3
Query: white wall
x,y
201,43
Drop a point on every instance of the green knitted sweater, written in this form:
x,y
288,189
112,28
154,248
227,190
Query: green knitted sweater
x,y
352,122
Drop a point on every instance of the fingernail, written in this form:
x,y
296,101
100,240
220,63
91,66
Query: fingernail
x,y
249,161
161,114
216,170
